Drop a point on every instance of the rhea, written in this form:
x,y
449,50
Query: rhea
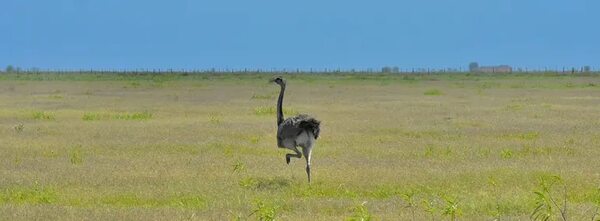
x,y
297,131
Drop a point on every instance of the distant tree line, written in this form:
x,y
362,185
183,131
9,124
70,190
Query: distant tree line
x,y
473,68
11,69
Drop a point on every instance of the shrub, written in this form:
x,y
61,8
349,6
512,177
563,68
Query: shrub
x,y
76,155
19,128
433,92
361,213
40,115
264,211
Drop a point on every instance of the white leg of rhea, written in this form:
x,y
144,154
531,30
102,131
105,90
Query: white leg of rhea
x,y
307,151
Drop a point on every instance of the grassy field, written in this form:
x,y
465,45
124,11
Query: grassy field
x,y
392,147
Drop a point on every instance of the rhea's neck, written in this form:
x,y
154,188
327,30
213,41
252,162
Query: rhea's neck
x,y
280,104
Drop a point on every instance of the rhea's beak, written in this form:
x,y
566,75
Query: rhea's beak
x,y
271,80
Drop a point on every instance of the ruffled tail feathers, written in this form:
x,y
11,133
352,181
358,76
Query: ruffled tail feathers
x,y
312,125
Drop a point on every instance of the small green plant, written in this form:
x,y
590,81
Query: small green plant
x,y
546,204
410,199
506,154
189,202
214,119
227,149
360,213
40,115
254,139
239,166
433,92
264,211
236,216
429,151
595,199
76,155
496,212
451,208
529,136
19,128
133,116
91,116
248,182
429,205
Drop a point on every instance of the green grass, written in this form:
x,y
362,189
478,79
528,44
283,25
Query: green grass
x,y
93,116
27,195
263,96
133,201
76,155
135,116
361,213
265,211
433,92
203,147
41,115
272,111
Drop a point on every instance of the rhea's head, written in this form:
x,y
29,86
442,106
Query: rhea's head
x,y
278,80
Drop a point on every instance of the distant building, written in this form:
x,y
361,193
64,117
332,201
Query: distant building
x,y
474,67
587,68
387,69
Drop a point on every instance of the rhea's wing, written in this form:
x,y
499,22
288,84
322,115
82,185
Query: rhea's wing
x,y
288,129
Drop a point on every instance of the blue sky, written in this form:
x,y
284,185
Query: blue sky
x,y
187,34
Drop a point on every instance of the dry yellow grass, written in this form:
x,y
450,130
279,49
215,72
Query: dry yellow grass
x,y
203,147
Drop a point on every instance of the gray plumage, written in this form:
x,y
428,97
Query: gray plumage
x,y
297,131
293,126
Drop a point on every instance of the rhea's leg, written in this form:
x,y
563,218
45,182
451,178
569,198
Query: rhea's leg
x,y
307,151
297,155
